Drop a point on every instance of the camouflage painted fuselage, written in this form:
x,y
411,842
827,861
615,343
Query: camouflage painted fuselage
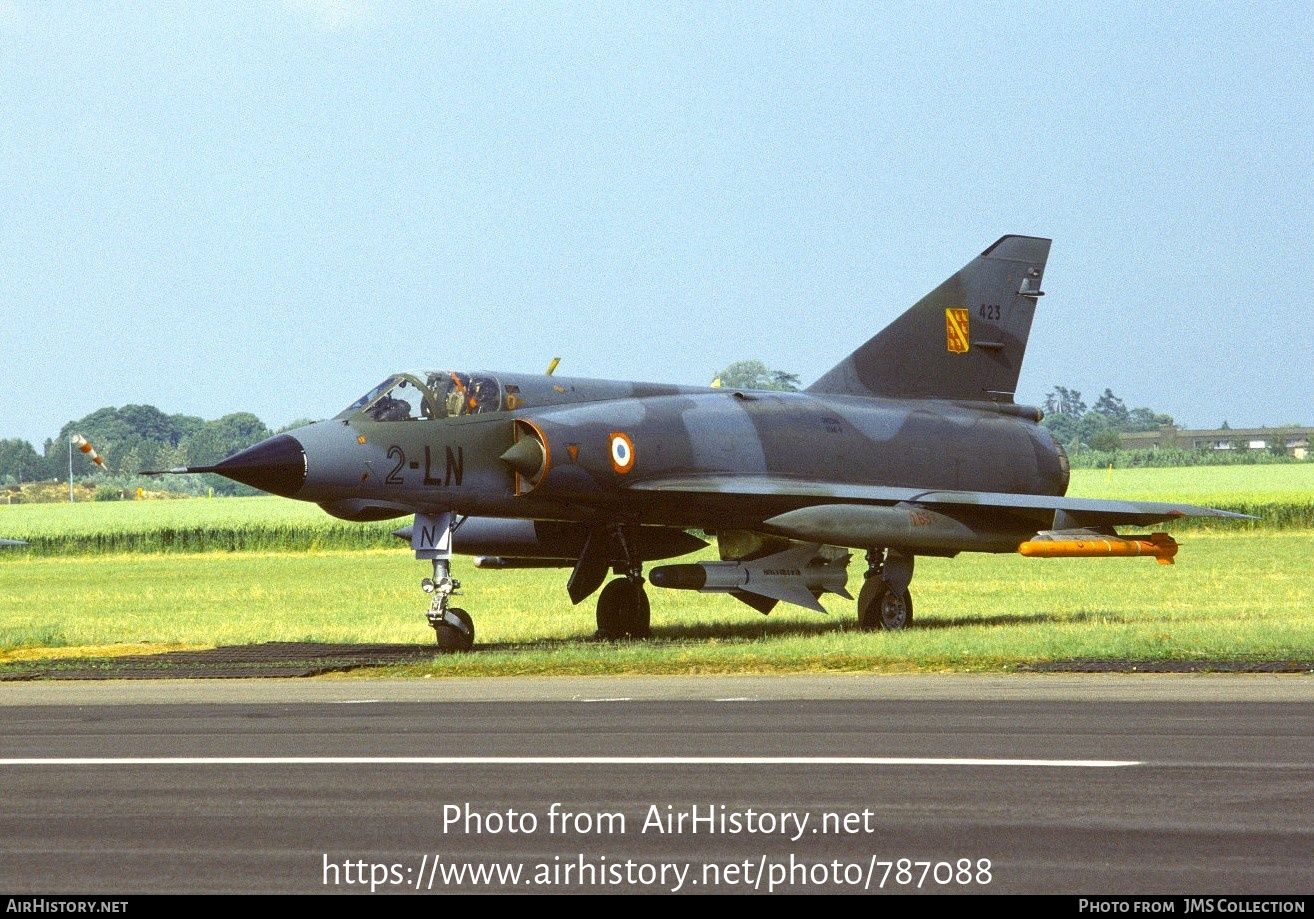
x,y
365,469
911,445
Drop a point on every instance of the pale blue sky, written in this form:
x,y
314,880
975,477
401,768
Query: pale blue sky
x,y
269,206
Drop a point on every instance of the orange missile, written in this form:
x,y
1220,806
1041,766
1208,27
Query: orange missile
x,y
1159,546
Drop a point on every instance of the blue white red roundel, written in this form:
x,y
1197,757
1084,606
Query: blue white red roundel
x,y
622,452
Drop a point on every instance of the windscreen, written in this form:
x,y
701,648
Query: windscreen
x,y
439,394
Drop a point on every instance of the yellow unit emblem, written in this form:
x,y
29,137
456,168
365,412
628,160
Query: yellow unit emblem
x,y
955,329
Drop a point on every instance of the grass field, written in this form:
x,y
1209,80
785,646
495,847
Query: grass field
x,y
1235,593
187,525
1293,482
1281,496
1245,596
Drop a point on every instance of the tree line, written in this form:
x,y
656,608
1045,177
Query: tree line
x,y
135,439
1078,427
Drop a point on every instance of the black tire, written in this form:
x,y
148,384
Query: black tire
x,y
450,638
623,610
639,624
879,607
868,599
611,618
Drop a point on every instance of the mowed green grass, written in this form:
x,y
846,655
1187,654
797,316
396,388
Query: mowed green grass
x,y
1197,484
186,525
1229,596
1279,496
93,526
1208,485
1236,592
103,516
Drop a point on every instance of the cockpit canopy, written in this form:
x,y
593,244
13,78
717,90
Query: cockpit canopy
x,y
438,394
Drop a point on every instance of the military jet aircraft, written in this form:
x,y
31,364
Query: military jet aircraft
x,y
912,445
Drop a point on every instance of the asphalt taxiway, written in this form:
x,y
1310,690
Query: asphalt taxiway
x,y
1114,784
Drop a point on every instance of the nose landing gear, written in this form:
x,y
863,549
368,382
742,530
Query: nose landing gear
x,y
431,538
452,626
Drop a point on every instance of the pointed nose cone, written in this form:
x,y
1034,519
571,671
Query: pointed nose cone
x,y
276,465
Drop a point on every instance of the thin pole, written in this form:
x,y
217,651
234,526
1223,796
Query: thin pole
x,y
70,470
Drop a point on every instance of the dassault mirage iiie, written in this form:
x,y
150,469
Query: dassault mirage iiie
x,y
912,445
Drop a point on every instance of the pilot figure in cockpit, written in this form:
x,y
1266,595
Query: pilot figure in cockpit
x,y
455,401
484,398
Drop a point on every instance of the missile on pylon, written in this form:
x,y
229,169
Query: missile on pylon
x,y
798,575
1078,544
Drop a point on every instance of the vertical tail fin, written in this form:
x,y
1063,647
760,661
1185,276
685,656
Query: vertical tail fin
x,y
964,340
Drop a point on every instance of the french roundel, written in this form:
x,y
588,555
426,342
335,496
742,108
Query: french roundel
x,y
622,452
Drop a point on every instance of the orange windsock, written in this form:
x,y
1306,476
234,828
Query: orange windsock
x,y
81,443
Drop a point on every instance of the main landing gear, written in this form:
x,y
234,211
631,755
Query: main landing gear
x,y
884,601
623,610
431,538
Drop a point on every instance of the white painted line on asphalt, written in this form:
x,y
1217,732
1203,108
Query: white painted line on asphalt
x,y
560,761
612,699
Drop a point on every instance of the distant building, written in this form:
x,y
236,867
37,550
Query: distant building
x,y
1294,441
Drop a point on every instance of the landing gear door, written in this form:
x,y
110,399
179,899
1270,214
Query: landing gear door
x,y
431,536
